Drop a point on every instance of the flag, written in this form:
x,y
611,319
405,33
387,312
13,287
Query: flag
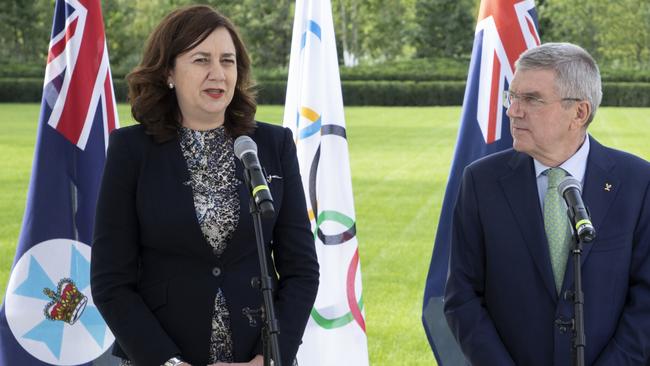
x,y
48,315
505,29
336,331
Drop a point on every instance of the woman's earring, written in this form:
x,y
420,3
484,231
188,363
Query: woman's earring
x,y
171,85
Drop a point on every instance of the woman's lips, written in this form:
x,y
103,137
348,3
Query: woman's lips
x,y
214,93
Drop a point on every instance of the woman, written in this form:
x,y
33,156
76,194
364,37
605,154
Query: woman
x,y
174,248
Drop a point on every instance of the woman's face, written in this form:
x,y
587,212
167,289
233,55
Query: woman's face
x,y
205,78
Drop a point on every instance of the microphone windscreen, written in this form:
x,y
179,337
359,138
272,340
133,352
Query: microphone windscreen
x,y
567,183
244,144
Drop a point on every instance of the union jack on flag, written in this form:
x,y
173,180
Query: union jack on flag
x,y
78,71
48,316
504,30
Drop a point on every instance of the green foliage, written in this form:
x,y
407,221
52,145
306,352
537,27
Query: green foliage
x,y
403,93
24,30
387,92
421,69
368,32
385,36
445,28
21,89
265,27
372,31
626,94
22,70
415,69
616,33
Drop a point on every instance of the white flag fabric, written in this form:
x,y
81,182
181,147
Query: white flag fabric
x,y
335,334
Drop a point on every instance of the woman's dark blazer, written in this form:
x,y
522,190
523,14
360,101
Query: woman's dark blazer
x,y
154,277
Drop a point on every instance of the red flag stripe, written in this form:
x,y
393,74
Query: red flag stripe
x,y
494,100
108,94
83,79
531,28
59,47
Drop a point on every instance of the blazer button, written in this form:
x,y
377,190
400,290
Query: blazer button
x,y
216,271
563,325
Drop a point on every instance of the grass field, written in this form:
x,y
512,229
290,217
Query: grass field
x,y
400,159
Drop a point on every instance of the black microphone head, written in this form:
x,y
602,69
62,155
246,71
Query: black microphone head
x,y
243,145
567,183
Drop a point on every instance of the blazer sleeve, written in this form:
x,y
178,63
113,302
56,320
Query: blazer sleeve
x,y
464,307
294,256
630,344
115,257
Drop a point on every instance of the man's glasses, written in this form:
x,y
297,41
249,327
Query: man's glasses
x,y
530,101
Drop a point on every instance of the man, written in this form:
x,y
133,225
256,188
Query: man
x,y
509,292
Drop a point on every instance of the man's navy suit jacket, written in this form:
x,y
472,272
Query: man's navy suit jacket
x,y
501,301
154,277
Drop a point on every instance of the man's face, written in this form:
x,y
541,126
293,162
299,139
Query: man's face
x,y
541,125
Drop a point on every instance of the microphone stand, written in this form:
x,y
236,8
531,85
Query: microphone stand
x,y
579,341
578,326
270,328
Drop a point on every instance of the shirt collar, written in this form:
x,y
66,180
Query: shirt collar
x,y
575,165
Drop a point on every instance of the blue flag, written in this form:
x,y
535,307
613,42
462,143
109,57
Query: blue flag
x,y
48,315
504,30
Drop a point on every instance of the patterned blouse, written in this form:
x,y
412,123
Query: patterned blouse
x,y
210,160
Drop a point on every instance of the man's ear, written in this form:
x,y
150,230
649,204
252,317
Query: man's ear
x,y
582,113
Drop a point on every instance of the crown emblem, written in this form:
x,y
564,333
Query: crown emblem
x,y
67,304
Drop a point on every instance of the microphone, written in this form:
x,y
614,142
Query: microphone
x,y
571,190
246,151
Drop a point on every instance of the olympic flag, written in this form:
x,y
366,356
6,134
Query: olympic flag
x,y
48,316
335,333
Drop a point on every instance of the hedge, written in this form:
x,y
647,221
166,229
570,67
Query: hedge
x,y
441,69
388,93
413,70
429,69
367,92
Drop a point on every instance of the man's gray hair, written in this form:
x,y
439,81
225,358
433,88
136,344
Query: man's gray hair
x,y
576,72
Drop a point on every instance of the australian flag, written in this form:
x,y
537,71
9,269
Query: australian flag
x,y
504,30
48,315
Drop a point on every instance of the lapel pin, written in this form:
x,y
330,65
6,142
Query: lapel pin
x,y
271,177
608,187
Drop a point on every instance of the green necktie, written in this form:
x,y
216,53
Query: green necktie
x,y
556,224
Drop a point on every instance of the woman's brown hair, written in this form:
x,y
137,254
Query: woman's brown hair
x,y
154,105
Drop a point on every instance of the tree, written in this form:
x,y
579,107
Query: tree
x,y
445,27
574,21
24,30
625,43
616,33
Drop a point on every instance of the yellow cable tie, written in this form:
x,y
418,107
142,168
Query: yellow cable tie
x,y
260,188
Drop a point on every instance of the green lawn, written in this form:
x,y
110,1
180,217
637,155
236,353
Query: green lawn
x,y
400,160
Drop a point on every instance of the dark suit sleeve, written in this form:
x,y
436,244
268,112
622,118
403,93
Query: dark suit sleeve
x,y
464,294
114,264
631,342
294,255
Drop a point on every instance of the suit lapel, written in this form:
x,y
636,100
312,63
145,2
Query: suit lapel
x,y
180,180
599,191
520,189
243,233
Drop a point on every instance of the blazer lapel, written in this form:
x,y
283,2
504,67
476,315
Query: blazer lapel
x,y
520,189
180,180
244,231
598,193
